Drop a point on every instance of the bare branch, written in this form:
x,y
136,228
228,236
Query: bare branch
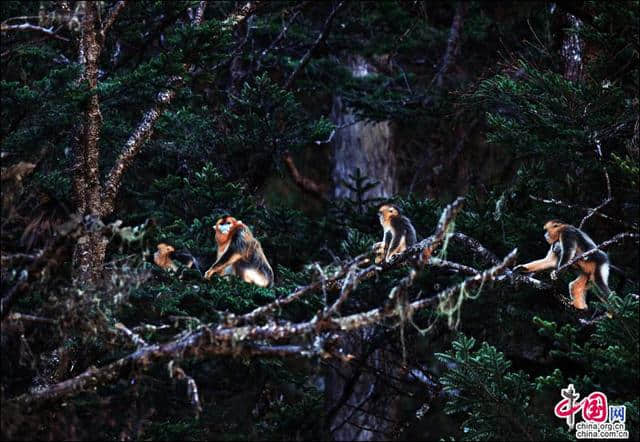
x,y
280,36
30,318
135,338
475,245
307,57
460,268
29,27
305,183
452,43
593,211
278,303
572,206
142,133
490,257
111,18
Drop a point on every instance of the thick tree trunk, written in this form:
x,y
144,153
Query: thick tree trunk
x,y
361,402
89,253
88,257
363,145
92,198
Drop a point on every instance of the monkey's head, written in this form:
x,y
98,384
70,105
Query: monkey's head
x,y
386,212
165,249
225,226
553,229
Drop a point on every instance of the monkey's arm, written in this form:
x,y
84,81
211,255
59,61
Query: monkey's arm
x,y
232,255
545,263
380,248
219,266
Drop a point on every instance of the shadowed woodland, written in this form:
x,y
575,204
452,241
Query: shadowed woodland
x,y
129,128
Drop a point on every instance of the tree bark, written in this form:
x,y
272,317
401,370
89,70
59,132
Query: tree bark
x,y
88,255
91,197
364,145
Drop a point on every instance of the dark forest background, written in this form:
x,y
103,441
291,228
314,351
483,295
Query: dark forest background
x,y
125,124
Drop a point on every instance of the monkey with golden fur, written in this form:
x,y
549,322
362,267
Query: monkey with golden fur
x,y
162,257
566,243
239,254
166,254
398,233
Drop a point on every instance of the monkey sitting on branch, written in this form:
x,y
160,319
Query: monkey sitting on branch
x,y
398,233
239,254
567,242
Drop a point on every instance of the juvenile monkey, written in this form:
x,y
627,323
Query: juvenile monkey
x,y
398,233
165,255
162,257
239,254
566,243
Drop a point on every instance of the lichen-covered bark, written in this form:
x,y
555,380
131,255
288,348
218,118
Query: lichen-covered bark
x,y
92,198
88,254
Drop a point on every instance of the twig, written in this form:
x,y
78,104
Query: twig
x,y
452,43
349,284
150,327
460,268
111,18
307,57
280,36
29,27
136,339
593,211
572,206
305,183
31,318
278,303
490,257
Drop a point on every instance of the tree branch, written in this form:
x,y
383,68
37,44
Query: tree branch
x,y
29,27
111,18
321,38
142,133
452,43
587,209
305,183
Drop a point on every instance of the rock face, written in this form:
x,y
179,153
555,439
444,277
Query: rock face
x,y
363,145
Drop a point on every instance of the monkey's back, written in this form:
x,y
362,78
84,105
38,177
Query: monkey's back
x,y
584,244
411,237
255,257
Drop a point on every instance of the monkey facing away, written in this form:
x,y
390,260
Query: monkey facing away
x,y
398,233
239,254
566,243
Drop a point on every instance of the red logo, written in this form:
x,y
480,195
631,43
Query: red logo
x,y
594,407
